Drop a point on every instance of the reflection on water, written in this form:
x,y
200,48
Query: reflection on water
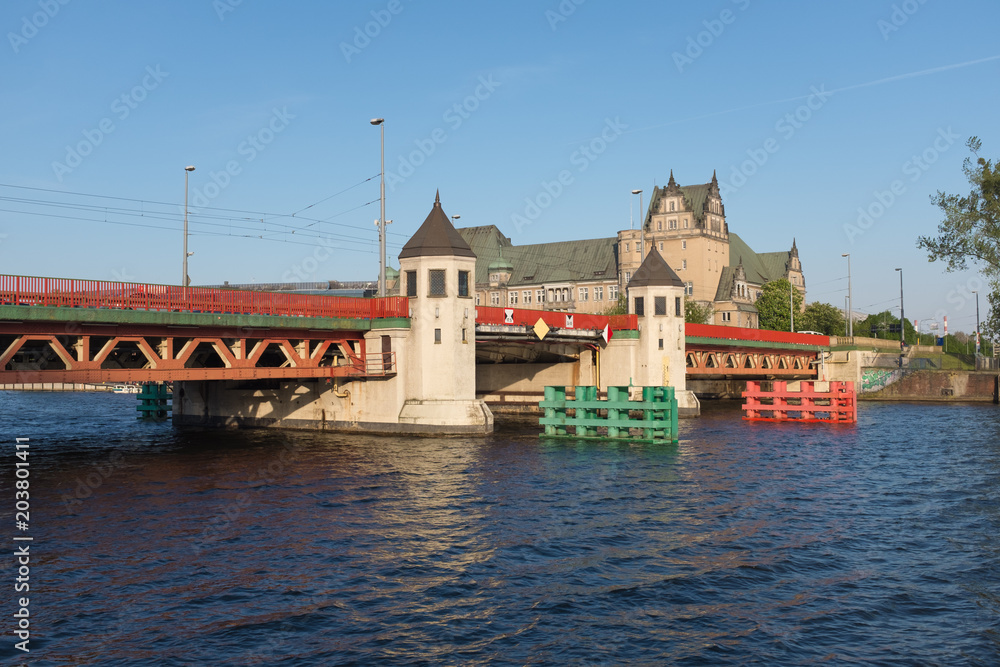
x,y
745,542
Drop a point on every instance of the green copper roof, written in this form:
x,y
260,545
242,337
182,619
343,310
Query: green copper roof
x,y
591,259
758,271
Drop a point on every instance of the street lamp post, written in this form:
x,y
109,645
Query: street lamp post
x,y
185,281
902,317
381,220
976,292
850,300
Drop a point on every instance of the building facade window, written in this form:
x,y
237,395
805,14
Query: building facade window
x,y
494,298
437,282
598,293
437,335
628,277
463,283
527,297
685,223
512,298
689,289
684,264
612,292
727,317
477,298
584,294
684,245
659,225
671,206
661,246
627,248
673,224
540,295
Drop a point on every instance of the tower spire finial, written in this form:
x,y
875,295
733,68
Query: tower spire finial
x,y
437,197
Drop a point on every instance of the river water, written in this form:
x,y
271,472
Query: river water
x,y
745,543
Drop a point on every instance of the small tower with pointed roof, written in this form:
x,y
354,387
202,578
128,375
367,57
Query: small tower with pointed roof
x,y
656,295
437,272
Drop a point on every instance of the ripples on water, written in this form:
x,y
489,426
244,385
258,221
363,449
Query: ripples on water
x,y
774,544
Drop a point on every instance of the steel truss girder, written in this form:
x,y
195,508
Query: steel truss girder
x,y
240,351
756,363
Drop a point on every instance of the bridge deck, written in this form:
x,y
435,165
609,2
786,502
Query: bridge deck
x,y
57,329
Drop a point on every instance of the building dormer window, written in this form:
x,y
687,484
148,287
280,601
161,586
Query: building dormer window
x,y
671,206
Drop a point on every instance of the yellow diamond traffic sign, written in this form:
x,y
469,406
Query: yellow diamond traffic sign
x,y
541,329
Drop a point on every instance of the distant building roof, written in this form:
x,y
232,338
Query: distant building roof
x,y
760,268
655,271
436,237
561,261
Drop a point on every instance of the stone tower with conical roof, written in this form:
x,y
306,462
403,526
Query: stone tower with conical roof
x,y
437,269
656,296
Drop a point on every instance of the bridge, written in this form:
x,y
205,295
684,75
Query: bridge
x,y
66,330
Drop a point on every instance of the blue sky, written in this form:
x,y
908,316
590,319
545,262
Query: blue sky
x,y
811,113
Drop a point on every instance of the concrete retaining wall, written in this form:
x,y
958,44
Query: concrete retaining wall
x,y
939,386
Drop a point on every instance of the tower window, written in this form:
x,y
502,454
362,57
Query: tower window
x,y
411,283
437,282
463,283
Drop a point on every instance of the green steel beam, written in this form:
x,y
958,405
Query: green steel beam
x,y
167,318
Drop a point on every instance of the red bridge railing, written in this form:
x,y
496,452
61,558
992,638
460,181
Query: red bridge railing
x,y
761,335
32,291
528,317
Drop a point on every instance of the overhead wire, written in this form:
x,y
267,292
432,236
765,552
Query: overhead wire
x,y
198,211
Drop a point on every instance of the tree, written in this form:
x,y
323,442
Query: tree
x,y
772,305
877,325
822,317
620,308
696,313
970,232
